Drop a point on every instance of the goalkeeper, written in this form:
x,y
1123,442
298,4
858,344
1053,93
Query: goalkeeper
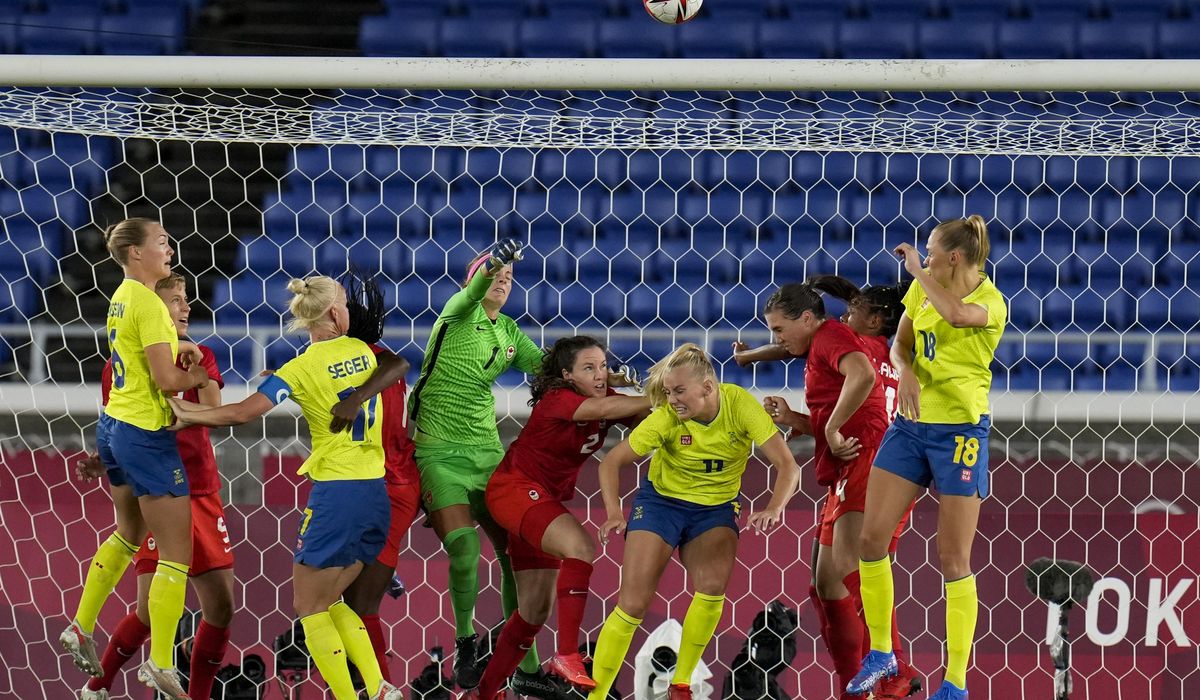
x,y
453,414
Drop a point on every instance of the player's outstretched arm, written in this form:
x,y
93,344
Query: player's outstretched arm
x,y
610,483
391,369
611,408
787,477
246,410
745,355
956,312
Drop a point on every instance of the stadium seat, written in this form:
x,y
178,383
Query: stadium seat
x,y
1041,39
634,37
877,38
979,10
1177,38
69,33
709,38
550,37
1117,39
157,32
798,38
1140,9
905,10
383,35
1070,10
955,38
465,37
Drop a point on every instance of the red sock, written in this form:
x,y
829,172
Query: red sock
x,y
208,651
819,607
378,643
573,580
853,583
127,638
896,648
845,637
515,640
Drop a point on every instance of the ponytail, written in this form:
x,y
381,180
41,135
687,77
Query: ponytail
x,y
311,298
969,235
835,286
794,299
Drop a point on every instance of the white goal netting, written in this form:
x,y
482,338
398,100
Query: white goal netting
x,y
651,219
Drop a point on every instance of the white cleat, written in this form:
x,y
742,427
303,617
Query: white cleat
x,y
82,649
164,680
387,691
89,694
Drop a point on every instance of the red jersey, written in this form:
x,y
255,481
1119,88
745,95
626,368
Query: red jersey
x,y
889,377
552,446
397,445
195,448
823,386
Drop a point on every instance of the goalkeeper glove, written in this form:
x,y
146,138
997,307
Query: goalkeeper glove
x,y
506,252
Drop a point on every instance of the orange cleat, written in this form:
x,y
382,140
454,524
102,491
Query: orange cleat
x,y
570,668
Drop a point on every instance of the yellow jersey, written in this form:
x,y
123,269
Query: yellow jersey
x,y
698,462
954,365
138,318
324,374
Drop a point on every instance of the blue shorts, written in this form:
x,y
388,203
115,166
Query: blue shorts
x,y
345,521
146,460
676,521
952,456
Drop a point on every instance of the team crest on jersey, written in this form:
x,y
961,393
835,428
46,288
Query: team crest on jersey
x,y
150,544
685,440
732,438
510,351
428,496
533,495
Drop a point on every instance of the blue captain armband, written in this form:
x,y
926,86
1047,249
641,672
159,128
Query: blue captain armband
x,y
276,389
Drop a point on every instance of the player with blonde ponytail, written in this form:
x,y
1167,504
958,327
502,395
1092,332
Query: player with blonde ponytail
x,y
700,435
954,317
346,520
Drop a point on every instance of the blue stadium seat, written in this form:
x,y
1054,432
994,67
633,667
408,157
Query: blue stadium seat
x,y
907,10
69,33
1041,39
574,10
950,39
551,37
1070,10
1140,9
882,38
634,37
709,38
156,32
979,10
1178,367
383,35
1177,38
464,37
1117,39
798,38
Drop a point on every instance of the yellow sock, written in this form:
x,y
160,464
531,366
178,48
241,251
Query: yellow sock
x,y
357,642
167,591
962,609
698,626
878,594
325,646
106,569
611,648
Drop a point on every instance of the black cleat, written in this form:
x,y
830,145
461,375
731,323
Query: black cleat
x,y
541,685
466,670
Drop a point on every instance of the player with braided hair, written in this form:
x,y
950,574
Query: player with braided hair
x,y
873,314
701,434
573,408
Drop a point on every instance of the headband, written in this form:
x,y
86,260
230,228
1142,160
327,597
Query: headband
x,y
476,265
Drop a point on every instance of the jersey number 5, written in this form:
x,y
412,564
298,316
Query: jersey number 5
x,y
364,420
118,365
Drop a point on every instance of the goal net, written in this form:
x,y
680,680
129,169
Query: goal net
x,y
651,218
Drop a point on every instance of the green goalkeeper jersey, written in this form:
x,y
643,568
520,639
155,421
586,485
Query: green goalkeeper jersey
x,y
453,399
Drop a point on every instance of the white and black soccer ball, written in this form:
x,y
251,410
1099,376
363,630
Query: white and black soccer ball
x,y
672,11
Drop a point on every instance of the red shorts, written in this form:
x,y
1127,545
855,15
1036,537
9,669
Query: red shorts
x,y
406,499
525,509
211,549
849,495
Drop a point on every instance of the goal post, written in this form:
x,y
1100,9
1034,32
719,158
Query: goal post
x,y
660,201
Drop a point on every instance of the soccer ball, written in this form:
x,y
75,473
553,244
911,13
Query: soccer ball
x,y
672,11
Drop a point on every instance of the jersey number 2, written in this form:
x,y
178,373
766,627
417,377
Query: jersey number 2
x,y
364,419
591,444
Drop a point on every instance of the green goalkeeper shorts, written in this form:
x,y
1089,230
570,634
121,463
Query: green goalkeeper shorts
x,y
454,475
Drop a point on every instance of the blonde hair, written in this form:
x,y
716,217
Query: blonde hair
x,y
688,355
312,297
170,282
123,235
970,235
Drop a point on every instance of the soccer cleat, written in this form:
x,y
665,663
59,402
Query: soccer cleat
x,y
387,691
88,694
949,691
901,685
82,649
539,685
570,669
164,680
466,671
876,666
679,691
